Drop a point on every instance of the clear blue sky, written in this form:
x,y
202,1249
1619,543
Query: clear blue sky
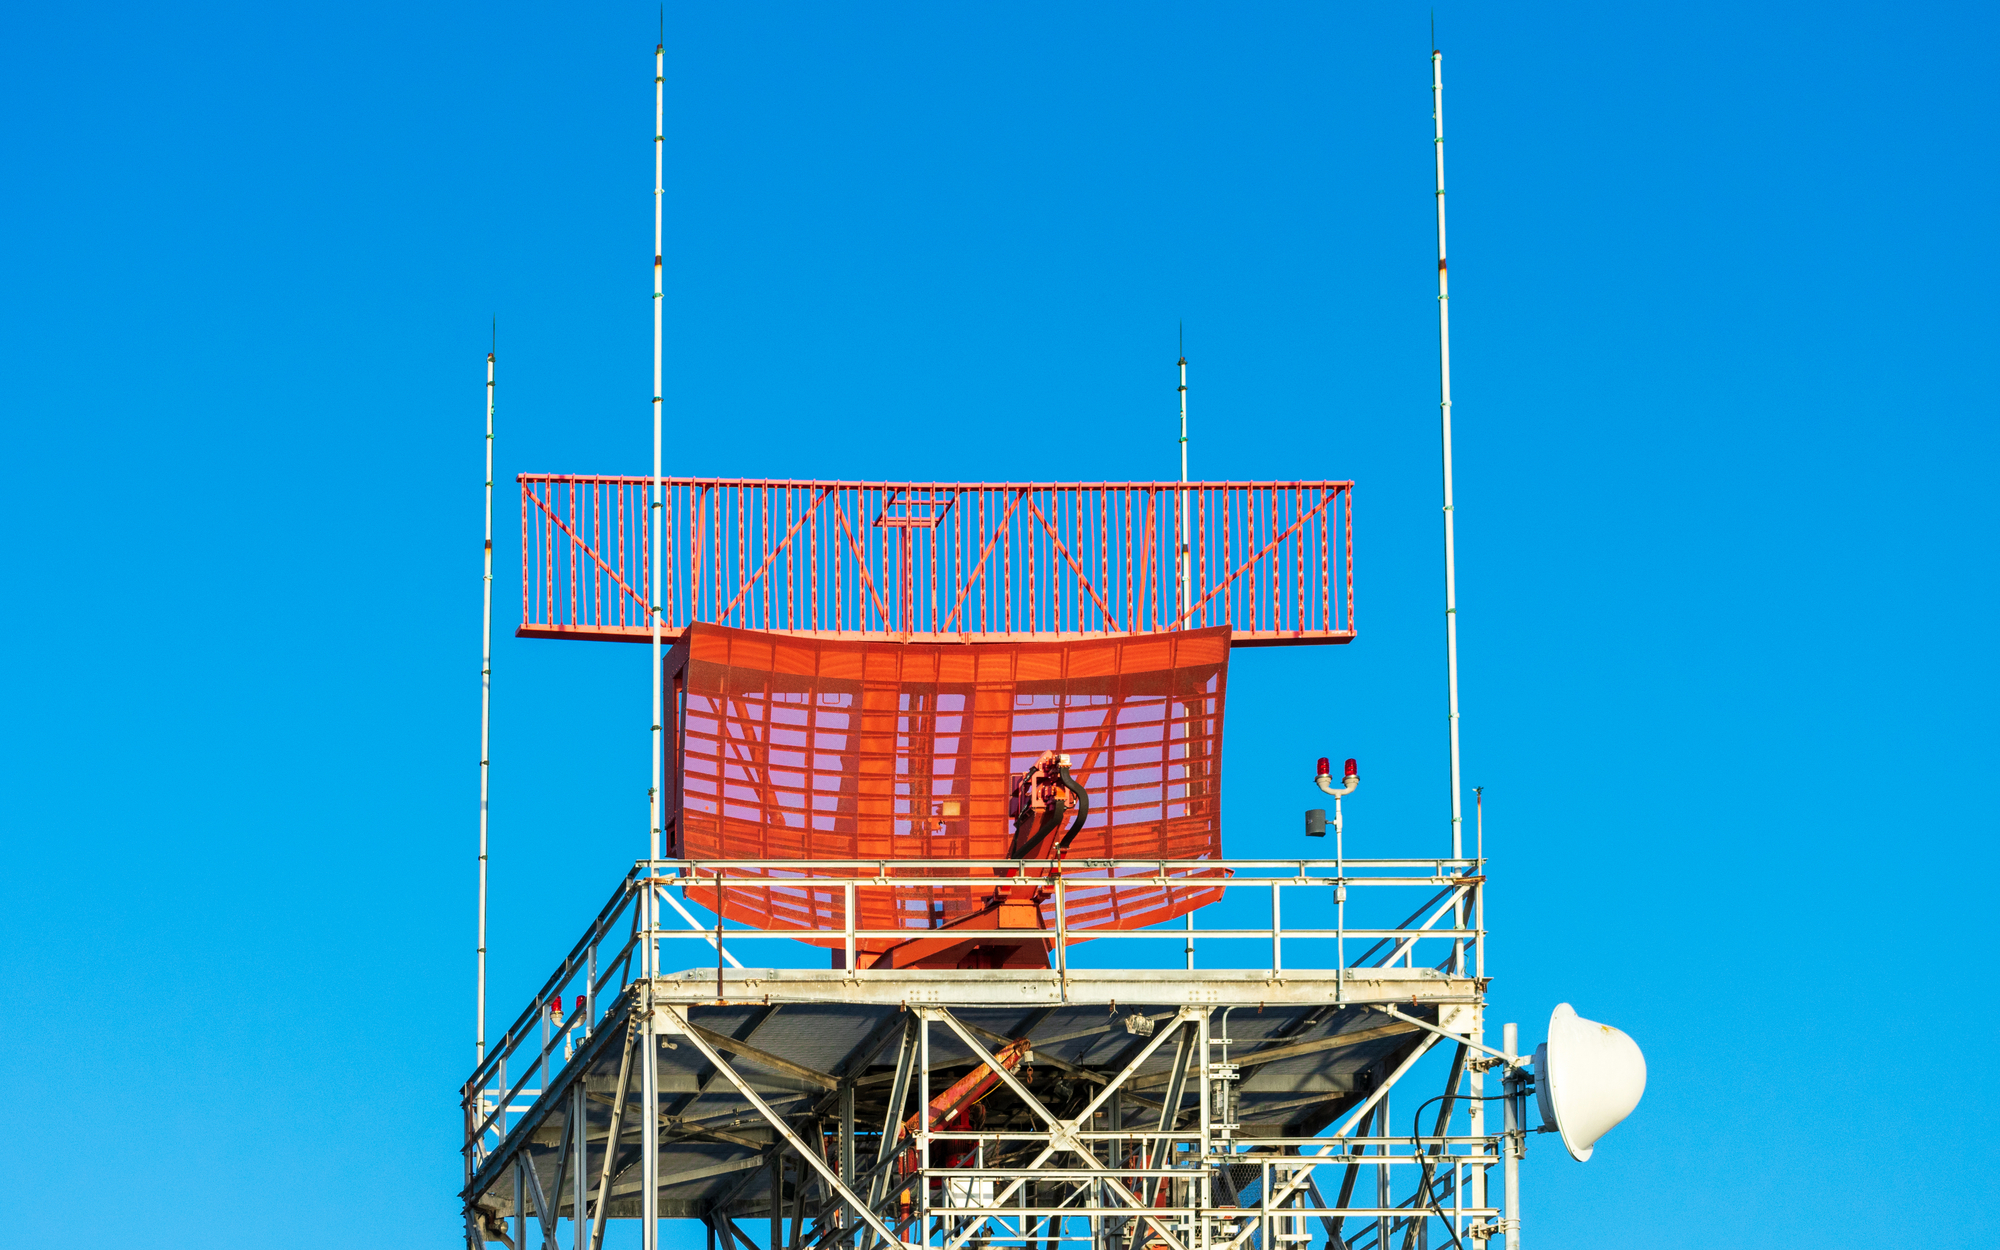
x,y
1724,332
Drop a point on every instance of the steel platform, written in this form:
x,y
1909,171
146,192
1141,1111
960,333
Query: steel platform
x,y
1176,1108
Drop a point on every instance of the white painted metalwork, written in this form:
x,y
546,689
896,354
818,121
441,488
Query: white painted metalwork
x,y
1291,1059
485,705
655,798
1384,993
1444,421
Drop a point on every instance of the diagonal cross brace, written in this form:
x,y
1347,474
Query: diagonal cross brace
x,y
774,553
1062,1133
1297,1183
584,547
679,1024
544,1212
1436,916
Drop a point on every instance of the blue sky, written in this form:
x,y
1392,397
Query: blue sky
x,y
1723,342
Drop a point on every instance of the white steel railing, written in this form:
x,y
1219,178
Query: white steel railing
x,y
624,942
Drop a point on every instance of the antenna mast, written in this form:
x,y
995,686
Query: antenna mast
x,y
1476,1081
1444,417
485,697
1187,560
657,536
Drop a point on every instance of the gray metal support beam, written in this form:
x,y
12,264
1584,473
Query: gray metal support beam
x,y
1062,1134
777,1240
579,1125
649,1120
633,1043
892,1120
777,1122
847,1163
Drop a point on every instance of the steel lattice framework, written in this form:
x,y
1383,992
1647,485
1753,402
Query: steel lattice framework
x,y
940,561
860,1109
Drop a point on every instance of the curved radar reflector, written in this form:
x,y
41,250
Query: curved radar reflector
x,y
1588,1077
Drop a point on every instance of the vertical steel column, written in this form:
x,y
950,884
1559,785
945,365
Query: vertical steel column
x,y
1062,940
1512,1143
520,1206
579,1148
649,1090
1199,1191
851,923
1476,1084
1277,942
1339,915
777,1200
485,702
1384,1225
500,1088
923,1126
847,1165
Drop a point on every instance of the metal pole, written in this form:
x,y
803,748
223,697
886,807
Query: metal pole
x,y
1444,418
1384,1225
655,796
1187,598
924,1120
1476,1109
649,1122
485,702
579,1224
1476,1084
777,1199
612,1135
1512,1142
1187,567
1212,1150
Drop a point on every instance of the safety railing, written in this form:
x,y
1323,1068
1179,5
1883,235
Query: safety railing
x,y
631,937
944,561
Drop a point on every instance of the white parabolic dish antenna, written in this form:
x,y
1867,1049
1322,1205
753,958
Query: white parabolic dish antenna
x,y
1588,1077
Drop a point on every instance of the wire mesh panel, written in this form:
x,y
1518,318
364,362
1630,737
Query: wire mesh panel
x,y
794,748
958,562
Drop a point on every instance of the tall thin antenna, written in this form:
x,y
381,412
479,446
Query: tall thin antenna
x,y
655,795
649,1157
1444,418
1476,1082
486,694
1187,559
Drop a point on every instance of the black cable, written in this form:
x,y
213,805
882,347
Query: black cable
x,y
1432,1201
1082,805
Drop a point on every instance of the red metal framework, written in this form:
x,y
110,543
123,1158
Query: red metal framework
x,y
950,562
789,748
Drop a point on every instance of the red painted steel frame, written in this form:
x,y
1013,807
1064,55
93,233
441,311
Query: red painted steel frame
x,y
950,562
795,748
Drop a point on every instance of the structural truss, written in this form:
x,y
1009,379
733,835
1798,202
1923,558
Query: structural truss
x,y
1247,1103
939,561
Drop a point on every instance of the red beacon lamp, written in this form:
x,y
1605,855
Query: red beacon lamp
x,y
1323,778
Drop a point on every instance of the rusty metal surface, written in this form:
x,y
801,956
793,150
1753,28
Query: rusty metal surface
x,y
794,748
950,562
